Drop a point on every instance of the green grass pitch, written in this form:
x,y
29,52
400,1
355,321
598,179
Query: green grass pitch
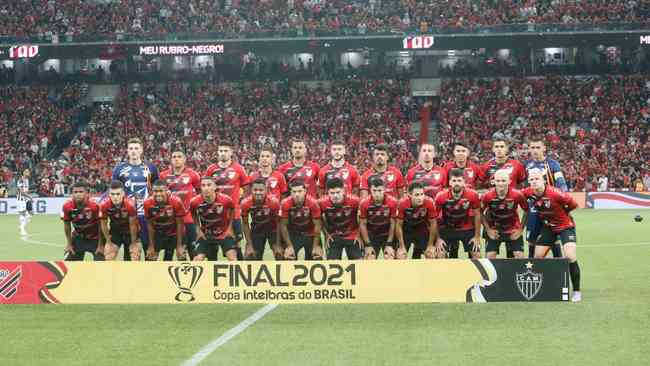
x,y
610,327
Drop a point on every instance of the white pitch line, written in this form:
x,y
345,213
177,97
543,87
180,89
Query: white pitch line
x,y
30,241
232,333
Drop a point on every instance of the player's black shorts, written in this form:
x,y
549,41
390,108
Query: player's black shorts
x,y
300,241
259,243
492,245
419,243
210,247
548,238
352,250
453,238
81,246
378,243
121,239
164,242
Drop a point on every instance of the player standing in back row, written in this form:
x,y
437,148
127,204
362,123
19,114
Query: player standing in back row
x,y
390,175
339,168
461,160
554,178
432,177
137,177
301,168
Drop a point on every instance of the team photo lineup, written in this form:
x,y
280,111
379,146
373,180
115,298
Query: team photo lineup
x,y
302,210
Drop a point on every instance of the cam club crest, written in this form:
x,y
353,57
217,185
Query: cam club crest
x,y
529,283
185,278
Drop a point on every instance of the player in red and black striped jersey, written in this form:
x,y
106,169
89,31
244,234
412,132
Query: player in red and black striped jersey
x,y
300,223
214,214
230,177
301,168
339,168
377,219
82,213
276,184
164,213
501,161
262,226
433,178
553,208
416,224
124,229
340,222
459,217
461,161
500,207
185,183
390,175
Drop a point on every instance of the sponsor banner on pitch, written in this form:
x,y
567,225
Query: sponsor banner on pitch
x,y
43,206
618,200
300,282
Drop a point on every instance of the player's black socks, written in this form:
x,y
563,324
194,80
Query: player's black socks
x,y
510,253
574,271
240,255
531,251
557,251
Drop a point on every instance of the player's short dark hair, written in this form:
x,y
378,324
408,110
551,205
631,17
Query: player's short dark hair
x,y
160,183
537,139
267,148
376,182
178,150
208,177
460,143
261,181
338,143
415,185
457,173
501,138
427,144
134,140
335,182
81,184
225,143
297,140
297,183
381,147
116,184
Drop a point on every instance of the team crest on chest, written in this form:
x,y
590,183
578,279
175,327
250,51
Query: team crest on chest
x,y
185,180
470,173
465,205
219,209
273,182
436,175
231,174
308,172
345,173
511,205
390,177
547,203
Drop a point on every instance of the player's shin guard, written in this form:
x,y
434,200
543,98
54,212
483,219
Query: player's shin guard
x,y
531,251
574,271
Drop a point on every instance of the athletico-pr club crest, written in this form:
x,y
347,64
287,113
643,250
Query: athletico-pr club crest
x,y
9,281
529,283
185,278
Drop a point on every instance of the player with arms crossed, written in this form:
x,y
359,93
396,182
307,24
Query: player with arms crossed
x,y
502,161
300,223
276,183
553,207
339,168
82,213
340,223
123,230
501,218
137,177
230,178
461,161
183,182
460,217
300,168
391,176
213,213
433,178
377,220
262,226
416,224
165,214
554,178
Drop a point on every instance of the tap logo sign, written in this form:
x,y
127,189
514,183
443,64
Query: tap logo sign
x,y
417,42
25,51
644,40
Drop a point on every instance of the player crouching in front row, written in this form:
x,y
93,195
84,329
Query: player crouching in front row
x,y
553,207
164,213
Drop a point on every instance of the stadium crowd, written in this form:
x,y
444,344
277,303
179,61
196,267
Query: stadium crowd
x,y
597,127
234,18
